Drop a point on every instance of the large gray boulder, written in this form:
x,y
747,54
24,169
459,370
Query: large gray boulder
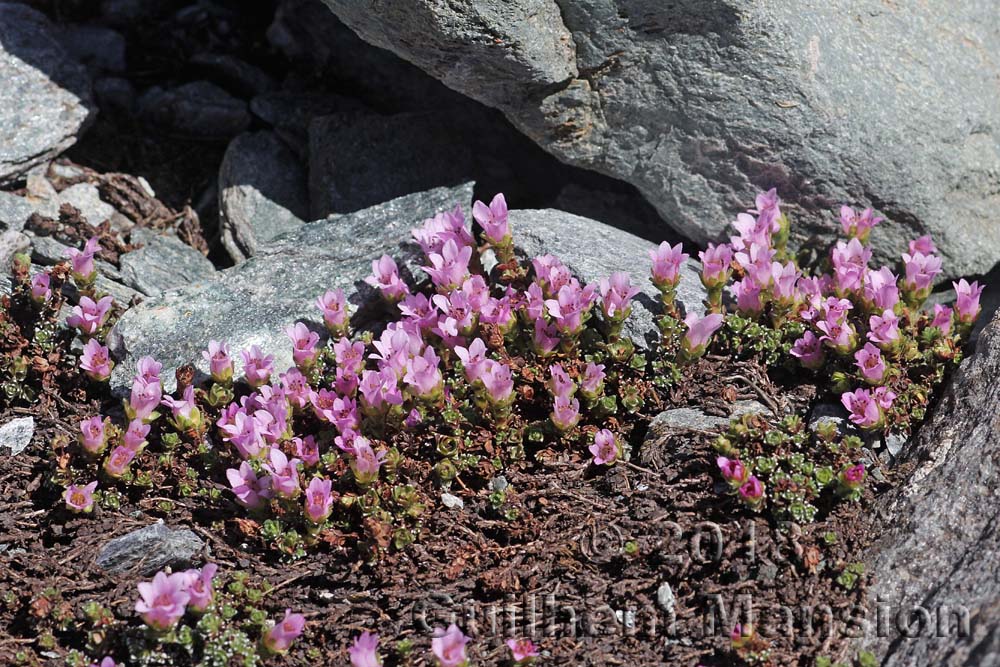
x,y
702,103
252,303
46,100
938,542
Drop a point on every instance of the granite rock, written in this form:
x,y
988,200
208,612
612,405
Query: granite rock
x,y
148,550
262,193
700,104
162,263
199,109
15,435
46,101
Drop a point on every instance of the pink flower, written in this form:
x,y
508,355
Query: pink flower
x,y
869,360
592,384
809,350
571,307
380,389
616,292
715,261
162,601
220,364
93,435
307,450
883,329
850,261
449,647
80,498
732,471
350,356
304,341
257,367
550,275
493,219
364,653
942,318
249,490
118,461
560,383
865,411
921,270
443,227
473,359
524,651
40,290
144,398
424,375
281,635
858,225
136,434
880,289
450,267
747,293
184,410
499,312
838,335
319,500
565,413
96,361
284,473
853,477
545,338
385,278
699,332
89,316
752,491
148,369
784,278
967,304
604,449
199,587
419,309
924,245
108,661
82,261
499,384
366,462
756,261
667,262
884,397
333,305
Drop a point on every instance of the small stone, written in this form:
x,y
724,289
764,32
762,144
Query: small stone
x,y
825,413
767,572
100,49
115,94
16,434
499,483
894,443
164,262
452,502
198,109
148,550
14,211
233,73
665,597
262,193
11,243
86,198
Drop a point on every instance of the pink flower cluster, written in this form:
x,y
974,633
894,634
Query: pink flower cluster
x,y
164,600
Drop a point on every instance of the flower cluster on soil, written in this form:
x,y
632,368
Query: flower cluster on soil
x,y
491,443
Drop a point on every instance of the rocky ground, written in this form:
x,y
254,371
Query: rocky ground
x,y
238,159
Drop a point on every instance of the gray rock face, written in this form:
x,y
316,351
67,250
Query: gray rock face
x,y
938,543
16,434
199,109
357,159
593,250
701,103
46,100
252,303
164,262
229,71
14,211
100,49
148,550
262,193
11,243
